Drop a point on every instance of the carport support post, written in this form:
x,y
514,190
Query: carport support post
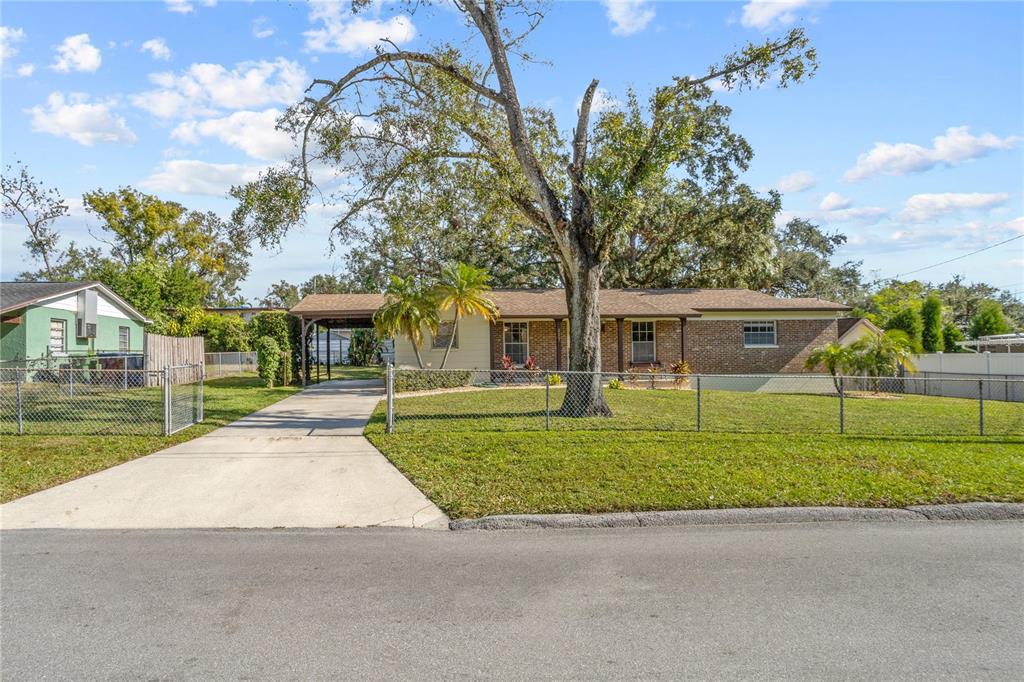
x,y
389,399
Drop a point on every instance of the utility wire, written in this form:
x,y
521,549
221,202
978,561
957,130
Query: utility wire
x,y
966,255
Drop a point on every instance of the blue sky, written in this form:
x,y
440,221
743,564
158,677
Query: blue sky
x,y
909,139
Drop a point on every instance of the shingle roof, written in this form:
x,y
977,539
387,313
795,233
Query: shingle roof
x,y
15,295
613,302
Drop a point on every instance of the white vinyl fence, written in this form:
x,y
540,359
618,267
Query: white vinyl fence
x,y
229,364
946,374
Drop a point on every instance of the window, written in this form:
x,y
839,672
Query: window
x,y
517,341
758,334
444,333
124,339
58,336
643,341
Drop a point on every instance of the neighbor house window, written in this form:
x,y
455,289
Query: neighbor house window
x,y
643,341
517,341
444,333
124,339
758,334
58,336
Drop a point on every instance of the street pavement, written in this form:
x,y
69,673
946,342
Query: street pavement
x,y
895,600
300,463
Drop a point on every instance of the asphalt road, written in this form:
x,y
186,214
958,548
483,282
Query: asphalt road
x,y
921,600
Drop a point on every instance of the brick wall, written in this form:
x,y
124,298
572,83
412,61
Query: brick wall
x,y
716,346
712,346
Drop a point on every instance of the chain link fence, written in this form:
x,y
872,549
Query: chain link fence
x,y
431,400
88,401
230,364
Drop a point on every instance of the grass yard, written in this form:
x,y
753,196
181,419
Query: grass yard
x,y
755,450
348,372
33,462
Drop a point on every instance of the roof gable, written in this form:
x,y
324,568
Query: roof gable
x,y
15,295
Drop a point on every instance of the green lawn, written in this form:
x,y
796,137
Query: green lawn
x,y
348,372
35,462
755,449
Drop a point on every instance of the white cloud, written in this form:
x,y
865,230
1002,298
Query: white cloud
x,y
345,32
186,6
628,16
199,177
85,123
208,89
867,215
9,37
261,28
834,202
922,207
770,14
26,70
157,47
796,182
76,53
253,132
954,147
602,102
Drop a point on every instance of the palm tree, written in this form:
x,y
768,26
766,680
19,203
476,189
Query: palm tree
x,y
836,358
463,288
880,355
408,308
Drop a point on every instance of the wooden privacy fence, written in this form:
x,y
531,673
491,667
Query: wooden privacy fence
x,y
161,351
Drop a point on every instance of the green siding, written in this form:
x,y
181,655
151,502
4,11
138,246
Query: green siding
x,y
34,335
12,341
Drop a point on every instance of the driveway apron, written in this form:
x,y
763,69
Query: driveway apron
x,y
299,463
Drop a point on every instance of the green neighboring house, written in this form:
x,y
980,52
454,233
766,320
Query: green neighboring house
x,y
66,319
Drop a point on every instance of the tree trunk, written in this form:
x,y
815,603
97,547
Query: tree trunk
x,y
584,395
451,340
416,350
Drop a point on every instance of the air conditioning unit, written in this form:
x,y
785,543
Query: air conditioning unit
x,y
85,330
85,324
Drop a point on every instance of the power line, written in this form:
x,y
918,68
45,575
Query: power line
x,y
966,255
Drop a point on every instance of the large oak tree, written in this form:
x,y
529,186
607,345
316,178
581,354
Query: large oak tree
x,y
399,114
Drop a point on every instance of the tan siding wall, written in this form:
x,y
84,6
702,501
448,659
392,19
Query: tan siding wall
x,y
473,351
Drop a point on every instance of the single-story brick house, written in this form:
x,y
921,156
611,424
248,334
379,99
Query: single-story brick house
x,y
61,319
717,331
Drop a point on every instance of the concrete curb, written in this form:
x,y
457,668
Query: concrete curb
x,y
970,511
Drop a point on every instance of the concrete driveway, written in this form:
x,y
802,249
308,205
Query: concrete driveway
x,y
300,463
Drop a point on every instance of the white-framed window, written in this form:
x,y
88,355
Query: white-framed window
x,y
124,339
58,336
444,332
643,341
759,334
516,343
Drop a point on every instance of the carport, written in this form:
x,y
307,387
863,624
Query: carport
x,y
333,311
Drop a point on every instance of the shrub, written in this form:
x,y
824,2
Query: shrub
x,y
425,381
615,384
931,320
277,326
988,320
268,359
364,347
951,334
506,362
653,372
908,320
530,364
554,380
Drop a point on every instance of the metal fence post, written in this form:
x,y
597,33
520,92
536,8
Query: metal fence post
x,y
167,400
698,402
124,362
202,388
17,401
390,398
547,402
71,380
981,406
842,411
